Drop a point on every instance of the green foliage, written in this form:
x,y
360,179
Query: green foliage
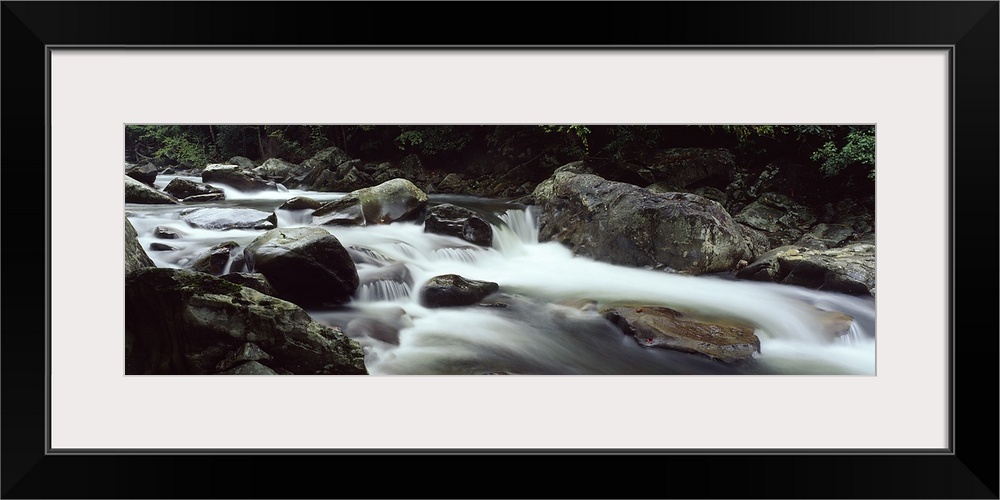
x,y
580,132
431,140
186,145
858,149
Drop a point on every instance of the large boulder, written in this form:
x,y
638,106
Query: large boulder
x,y
394,200
277,169
242,161
237,177
306,265
627,225
229,218
669,329
185,322
450,290
849,269
185,189
145,174
137,192
451,220
135,256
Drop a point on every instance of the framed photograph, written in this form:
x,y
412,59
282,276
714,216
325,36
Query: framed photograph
x,y
896,98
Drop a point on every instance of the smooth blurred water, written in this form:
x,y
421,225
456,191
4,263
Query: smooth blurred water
x,y
538,326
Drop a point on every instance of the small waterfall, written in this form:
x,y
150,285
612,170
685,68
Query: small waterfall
x,y
383,291
519,228
467,255
293,218
854,336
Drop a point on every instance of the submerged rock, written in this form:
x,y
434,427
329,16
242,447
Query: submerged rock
x,y
451,290
185,322
229,218
669,329
168,233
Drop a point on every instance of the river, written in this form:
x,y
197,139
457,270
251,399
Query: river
x,y
538,326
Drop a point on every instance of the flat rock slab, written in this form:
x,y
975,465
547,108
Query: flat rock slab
x,y
669,329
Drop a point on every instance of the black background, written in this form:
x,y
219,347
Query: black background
x,y
970,472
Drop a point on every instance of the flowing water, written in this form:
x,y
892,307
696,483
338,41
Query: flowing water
x,y
546,320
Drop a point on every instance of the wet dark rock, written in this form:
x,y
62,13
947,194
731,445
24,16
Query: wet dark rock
x,y
623,224
669,329
156,246
215,259
849,269
450,290
451,220
145,174
185,189
137,192
201,198
306,265
229,218
135,256
300,203
395,200
168,233
237,177
184,322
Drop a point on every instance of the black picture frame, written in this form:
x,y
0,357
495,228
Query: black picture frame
x,y
969,470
